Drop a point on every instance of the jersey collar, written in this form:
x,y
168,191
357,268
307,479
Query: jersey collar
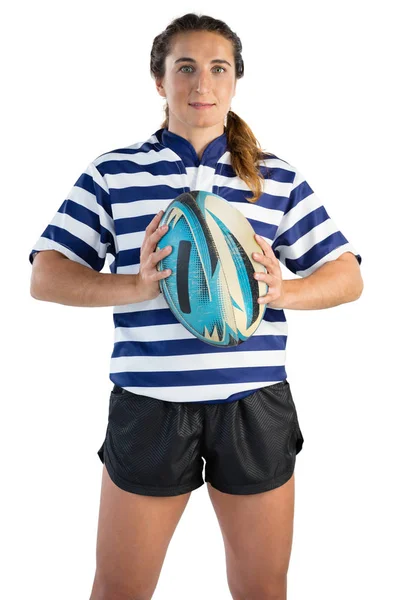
x,y
186,152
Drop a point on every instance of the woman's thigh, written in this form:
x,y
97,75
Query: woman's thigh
x,y
257,530
134,532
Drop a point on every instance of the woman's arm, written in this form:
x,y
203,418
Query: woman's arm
x,y
336,282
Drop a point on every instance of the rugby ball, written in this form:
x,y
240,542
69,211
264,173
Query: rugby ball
x,y
211,289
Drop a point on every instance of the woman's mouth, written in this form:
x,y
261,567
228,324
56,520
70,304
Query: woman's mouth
x,y
200,106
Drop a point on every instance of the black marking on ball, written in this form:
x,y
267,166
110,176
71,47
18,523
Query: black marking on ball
x,y
182,275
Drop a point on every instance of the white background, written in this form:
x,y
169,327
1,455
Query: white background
x,y
320,92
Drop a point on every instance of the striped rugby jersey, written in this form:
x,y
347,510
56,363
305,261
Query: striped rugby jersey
x,y
105,215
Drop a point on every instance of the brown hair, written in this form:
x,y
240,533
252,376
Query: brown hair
x,y
245,149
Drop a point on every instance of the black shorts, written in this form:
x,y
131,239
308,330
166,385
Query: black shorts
x,y
156,447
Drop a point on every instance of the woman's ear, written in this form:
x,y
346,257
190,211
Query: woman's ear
x,y
160,88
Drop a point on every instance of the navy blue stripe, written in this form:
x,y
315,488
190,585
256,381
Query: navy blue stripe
x,y
132,256
161,167
274,315
265,200
299,193
267,230
153,192
139,224
128,258
305,225
133,224
164,316
201,377
145,318
317,252
274,173
232,398
195,346
90,218
86,182
145,147
80,248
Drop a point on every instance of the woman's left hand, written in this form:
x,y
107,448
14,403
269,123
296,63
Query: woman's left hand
x,y
273,277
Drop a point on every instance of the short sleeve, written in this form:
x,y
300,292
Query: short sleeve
x,y
307,237
83,228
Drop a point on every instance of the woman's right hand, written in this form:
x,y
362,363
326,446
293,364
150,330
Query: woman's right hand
x,y
149,276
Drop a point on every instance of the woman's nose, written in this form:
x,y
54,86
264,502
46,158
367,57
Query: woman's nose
x,y
203,83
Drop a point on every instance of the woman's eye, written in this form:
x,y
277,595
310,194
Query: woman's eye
x,y
190,67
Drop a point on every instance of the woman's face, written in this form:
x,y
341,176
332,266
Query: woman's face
x,y
198,80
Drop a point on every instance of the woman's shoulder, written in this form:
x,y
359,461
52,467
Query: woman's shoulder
x,y
273,166
128,153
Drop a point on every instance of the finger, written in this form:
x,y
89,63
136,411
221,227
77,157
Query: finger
x,y
157,235
267,261
157,275
160,254
150,243
156,219
270,297
267,248
269,278
260,241
264,260
154,223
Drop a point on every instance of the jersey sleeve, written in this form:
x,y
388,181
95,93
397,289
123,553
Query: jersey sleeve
x,y
83,228
307,237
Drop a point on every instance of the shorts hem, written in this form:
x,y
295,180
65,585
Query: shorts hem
x,y
145,490
254,488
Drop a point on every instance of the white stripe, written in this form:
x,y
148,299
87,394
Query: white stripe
x,y
150,207
196,362
275,188
96,176
154,304
143,179
46,244
81,231
205,178
176,331
193,393
331,256
303,208
259,213
138,208
128,269
141,158
88,200
309,239
129,241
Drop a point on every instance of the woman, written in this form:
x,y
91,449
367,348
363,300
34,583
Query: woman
x,y
177,400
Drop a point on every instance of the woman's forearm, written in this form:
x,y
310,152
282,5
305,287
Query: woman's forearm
x,y
336,282
65,281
